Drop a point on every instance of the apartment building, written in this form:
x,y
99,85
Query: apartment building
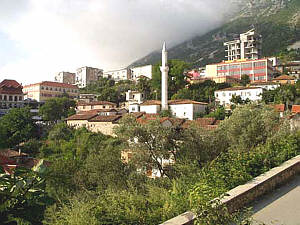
x,y
260,70
118,75
224,96
145,71
65,77
48,89
87,106
248,46
86,75
11,95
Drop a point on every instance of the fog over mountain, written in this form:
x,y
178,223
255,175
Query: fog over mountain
x,y
39,38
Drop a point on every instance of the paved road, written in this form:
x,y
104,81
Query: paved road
x,y
281,207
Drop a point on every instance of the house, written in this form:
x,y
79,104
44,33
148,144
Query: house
x,y
48,89
204,123
224,96
295,109
285,79
134,99
104,124
87,98
86,106
10,159
11,95
279,108
95,121
266,85
182,108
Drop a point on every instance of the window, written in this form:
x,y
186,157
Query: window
x,y
5,98
46,88
16,98
42,88
10,98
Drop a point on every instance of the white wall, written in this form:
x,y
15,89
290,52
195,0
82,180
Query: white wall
x,y
224,97
141,71
134,108
150,108
187,111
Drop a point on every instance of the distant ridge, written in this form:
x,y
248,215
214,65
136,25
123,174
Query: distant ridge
x,y
278,21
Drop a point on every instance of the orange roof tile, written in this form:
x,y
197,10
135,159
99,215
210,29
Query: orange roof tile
x,y
10,87
296,109
105,118
53,84
279,107
237,88
96,103
82,116
284,77
173,102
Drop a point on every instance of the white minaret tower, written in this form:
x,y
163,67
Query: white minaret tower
x,y
164,78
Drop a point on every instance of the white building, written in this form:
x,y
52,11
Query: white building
x,y
65,77
266,85
225,95
86,75
146,71
117,75
248,46
134,99
183,109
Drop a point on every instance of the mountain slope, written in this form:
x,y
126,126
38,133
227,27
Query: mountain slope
x,y
278,21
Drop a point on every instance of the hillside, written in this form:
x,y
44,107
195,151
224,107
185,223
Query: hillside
x,y
277,20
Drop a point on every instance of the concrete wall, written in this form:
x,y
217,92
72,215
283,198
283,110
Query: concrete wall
x,y
247,193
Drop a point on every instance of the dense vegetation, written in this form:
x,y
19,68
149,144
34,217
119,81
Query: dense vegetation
x,y
88,183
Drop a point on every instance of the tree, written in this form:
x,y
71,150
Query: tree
x,y
56,109
16,127
250,125
236,99
151,143
245,79
218,114
176,78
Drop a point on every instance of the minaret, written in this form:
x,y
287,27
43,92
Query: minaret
x,y
164,78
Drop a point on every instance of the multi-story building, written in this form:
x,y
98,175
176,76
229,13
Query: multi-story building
x,y
11,95
65,77
48,89
117,75
224,96
260,70
248,46
85,106
145,71
86,75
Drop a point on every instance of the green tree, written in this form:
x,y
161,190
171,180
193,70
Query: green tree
x,y
245,80
176,78
151,142
219,113
16,127
57,108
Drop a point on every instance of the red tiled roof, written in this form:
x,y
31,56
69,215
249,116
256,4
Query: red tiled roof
x,y
96,103
137,114
151,102
95,111
206,123
106,118
10,87
11,153
53,84
82,116
279,107
284,77
296,109
263,83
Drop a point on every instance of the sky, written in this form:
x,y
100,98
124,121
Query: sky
x,y
39,38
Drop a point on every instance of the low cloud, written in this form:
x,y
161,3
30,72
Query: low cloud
x,y
62,35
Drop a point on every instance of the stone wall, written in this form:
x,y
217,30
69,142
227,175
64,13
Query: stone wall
x,y
247,193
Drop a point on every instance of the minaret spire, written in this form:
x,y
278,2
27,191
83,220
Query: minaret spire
x,y
164,78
